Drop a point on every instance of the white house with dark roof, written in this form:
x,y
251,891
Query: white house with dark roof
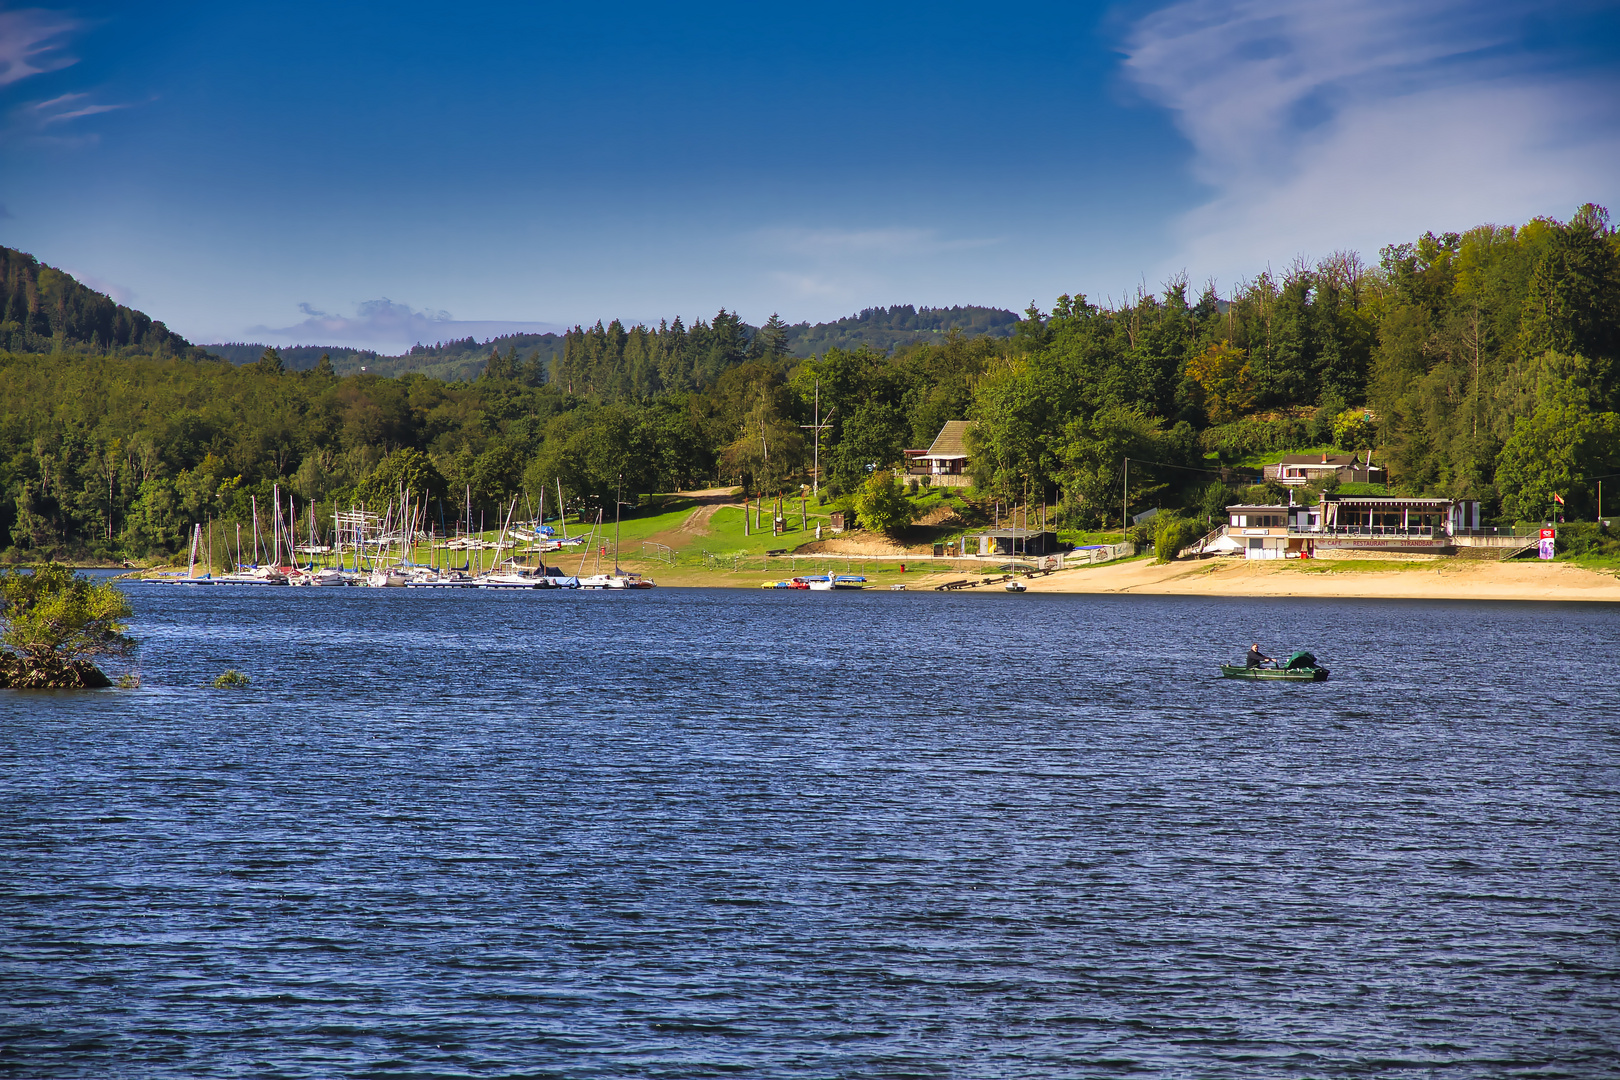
x,y
1297,470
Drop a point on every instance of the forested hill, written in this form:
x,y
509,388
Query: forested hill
x,y
43,309
461,360
885,328
1477,365
882,329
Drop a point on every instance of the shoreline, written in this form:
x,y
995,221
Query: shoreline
x,y
1440,579
1387,578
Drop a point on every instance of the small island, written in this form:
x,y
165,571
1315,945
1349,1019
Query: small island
x,y
57,625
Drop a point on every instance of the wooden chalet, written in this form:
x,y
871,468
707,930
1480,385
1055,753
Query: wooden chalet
x,y
945,462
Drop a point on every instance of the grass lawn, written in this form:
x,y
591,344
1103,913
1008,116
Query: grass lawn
x,y
1082,538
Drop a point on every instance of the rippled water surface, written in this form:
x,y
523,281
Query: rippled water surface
x,y
700,833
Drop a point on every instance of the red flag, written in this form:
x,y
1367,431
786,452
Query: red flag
x,y
1557,498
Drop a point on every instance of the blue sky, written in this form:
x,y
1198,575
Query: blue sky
x,y
275,173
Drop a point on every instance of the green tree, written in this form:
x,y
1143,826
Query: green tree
x,y
881,504
408,469
1552,451
872,439
771,343
1573,303
1353,429
1223,376
269,363
59,624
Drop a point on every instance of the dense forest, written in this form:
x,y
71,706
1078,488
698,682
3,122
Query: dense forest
x,y
1479,365
535,356
43,309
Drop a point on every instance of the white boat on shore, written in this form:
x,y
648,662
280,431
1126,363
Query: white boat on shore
x,y
836,582
616,581
510,580
388,578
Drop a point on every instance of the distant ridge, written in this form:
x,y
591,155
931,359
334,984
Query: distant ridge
x,y
880,328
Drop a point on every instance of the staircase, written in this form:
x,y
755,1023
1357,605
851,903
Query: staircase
x,y
1198,548
1515,552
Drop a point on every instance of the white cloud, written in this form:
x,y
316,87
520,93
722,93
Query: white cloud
x,y
29,43
386,327
1321,126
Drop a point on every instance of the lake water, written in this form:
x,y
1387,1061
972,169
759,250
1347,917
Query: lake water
x,y
691,833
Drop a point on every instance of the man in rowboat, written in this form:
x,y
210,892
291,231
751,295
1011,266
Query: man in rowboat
x,y
1256,658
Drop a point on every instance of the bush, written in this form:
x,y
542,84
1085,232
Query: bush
x,y
231,679
59,624
1172,533
1354,429
1252,435
1587,538
882,505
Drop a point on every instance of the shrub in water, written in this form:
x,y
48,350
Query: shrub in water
x,y
58,623
231,679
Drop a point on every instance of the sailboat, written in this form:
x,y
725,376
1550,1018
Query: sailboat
x,y
619,579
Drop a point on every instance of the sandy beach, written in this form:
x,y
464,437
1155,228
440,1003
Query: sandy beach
x,y
1434,579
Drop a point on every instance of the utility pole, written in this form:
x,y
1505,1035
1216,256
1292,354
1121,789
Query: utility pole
x,y
816,428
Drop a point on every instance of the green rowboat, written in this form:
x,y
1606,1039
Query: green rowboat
x,y
1301,667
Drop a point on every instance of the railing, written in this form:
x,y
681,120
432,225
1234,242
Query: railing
x,y
1414,530
1368,530
1203,545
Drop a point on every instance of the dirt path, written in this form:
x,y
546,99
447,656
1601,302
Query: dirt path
x,y
697,522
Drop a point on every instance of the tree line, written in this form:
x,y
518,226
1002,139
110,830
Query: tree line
x,y
1476,365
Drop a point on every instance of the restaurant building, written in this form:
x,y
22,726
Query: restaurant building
x,y
1357,523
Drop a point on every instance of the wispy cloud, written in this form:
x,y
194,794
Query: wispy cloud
x,y
387,326
68,107
31,41
1320,126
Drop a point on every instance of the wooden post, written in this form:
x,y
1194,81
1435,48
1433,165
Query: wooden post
x,y
1125,504
745,515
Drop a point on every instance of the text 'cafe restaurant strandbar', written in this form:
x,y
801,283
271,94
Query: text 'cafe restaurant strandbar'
x,y
1354,523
